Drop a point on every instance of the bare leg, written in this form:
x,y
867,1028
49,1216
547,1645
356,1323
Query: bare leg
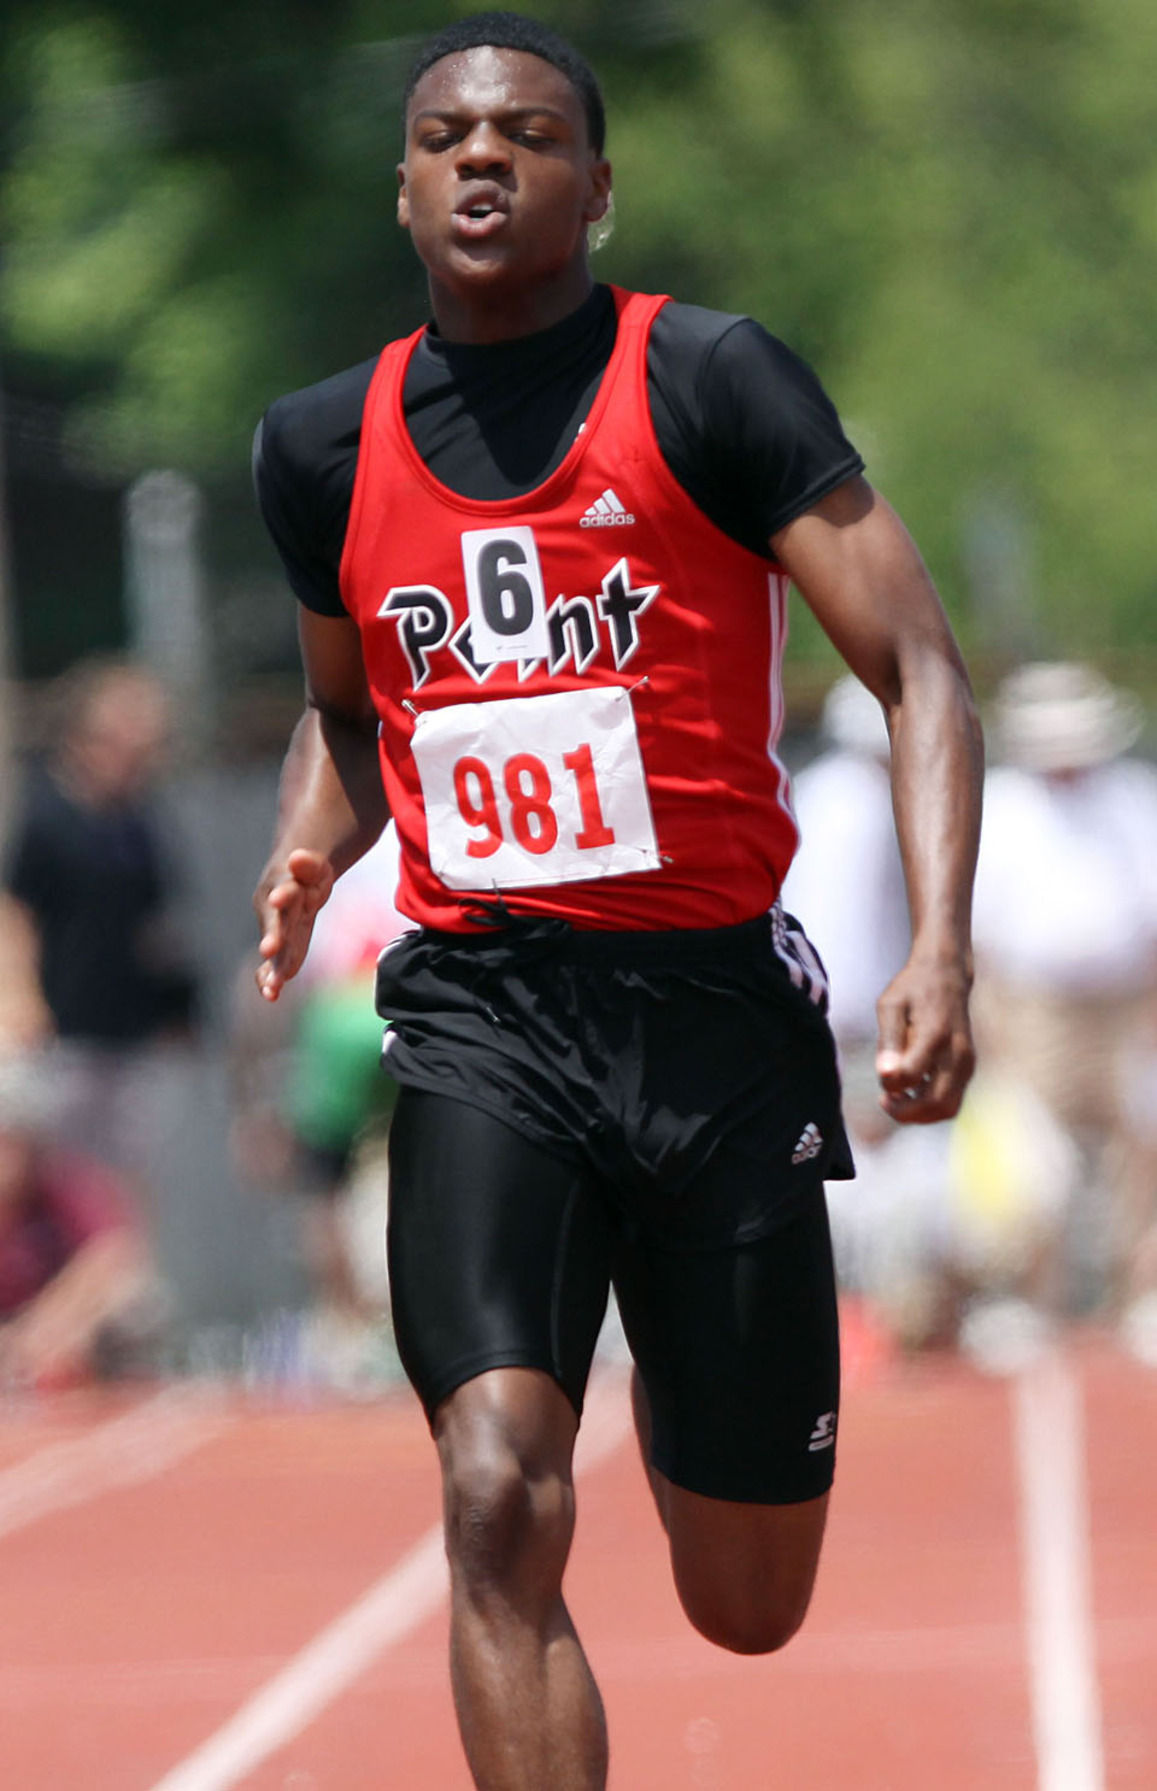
x,y
528,1708
744,1573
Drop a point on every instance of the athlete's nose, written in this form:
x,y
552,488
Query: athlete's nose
x,y
483,150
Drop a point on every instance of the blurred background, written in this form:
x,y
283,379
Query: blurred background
x,y
949,208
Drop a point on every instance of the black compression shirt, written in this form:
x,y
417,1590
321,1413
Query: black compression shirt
x,y
743,424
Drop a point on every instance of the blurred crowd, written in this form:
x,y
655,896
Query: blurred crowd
x,y
101,1014
97,990
1037,1206
311,1110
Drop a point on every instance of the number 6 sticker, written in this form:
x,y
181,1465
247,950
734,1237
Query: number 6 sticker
x,y
505,594
528,790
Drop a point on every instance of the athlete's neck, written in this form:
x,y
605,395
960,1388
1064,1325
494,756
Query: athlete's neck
x,y
498,314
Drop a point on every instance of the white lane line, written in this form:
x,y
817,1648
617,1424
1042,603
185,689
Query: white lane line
x,y
392,1608
1055,1545
404,1598
134,1447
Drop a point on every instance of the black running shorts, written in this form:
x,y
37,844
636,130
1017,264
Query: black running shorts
x,y
660,1107
501,1254
642,1056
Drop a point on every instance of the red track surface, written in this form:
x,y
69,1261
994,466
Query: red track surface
x,y
145,1602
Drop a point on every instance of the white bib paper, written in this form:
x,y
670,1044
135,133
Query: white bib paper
x,y
528,790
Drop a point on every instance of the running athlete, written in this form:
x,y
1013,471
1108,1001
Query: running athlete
x,y
542,549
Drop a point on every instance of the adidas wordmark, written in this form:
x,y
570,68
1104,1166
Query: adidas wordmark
x,y
607,512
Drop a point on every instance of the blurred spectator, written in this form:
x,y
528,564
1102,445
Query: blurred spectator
x,y
846,883
1012,1173
1066,936
314,1105
77,1298
25,1017
1138,1298
89,914
946,1230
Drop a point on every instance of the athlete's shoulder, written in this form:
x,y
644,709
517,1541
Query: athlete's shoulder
x,y
693,328
730,353
702,327
303,429
305,455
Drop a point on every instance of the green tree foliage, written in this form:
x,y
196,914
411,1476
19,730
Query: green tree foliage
x,y
949,206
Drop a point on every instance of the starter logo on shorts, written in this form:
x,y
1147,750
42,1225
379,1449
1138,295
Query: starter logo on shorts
x,y
607,512
824,1434
811,1143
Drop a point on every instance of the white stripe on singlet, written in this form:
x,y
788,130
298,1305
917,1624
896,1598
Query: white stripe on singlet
x,y
777,588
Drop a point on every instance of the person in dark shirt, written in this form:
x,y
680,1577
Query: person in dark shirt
x,y
92,892
86,861
542,550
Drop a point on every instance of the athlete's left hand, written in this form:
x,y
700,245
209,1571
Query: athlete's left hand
x,y
925,1056
288,900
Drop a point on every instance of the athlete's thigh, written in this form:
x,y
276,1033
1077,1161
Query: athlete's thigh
x,y
738,1349
499,1251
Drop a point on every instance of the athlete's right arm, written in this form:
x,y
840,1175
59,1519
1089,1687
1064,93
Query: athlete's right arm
x,y
332,806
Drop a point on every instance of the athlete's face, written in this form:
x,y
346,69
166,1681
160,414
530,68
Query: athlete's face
x,y
497,188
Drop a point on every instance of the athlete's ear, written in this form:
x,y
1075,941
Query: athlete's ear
x,y
403,198
599,196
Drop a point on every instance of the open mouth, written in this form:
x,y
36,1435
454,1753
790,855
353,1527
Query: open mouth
x,y
481,212
478,222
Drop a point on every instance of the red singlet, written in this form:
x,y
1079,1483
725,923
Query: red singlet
x,y
579,689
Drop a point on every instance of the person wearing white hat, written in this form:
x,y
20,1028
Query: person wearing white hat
x,y
1066,924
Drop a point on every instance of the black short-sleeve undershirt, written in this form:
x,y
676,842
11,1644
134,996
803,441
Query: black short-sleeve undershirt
x,y
743,424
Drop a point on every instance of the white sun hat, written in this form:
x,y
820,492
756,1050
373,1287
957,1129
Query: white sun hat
x,y
1063,717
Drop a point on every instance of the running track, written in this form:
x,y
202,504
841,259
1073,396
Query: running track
x,y
199,1592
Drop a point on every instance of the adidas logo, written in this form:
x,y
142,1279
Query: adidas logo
x,y
606,513
810,1145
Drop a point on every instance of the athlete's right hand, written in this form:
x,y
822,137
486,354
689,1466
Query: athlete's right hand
x,y
287,901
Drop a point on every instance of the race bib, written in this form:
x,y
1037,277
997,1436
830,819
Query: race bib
x,y
526,790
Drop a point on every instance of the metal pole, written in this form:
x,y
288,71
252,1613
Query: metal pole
x,y
165,597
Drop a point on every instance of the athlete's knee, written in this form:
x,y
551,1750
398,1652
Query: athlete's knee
x,y
509,1509
503,1522
739,1620
745,1574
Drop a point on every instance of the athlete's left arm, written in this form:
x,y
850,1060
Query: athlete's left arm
x,y
859,571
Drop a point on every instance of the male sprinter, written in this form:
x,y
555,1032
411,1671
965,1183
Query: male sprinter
x,y
542,549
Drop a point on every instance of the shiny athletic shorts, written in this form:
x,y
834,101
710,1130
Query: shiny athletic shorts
x,y
656,1111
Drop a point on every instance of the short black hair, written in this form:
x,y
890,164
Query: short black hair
x,y
512,31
